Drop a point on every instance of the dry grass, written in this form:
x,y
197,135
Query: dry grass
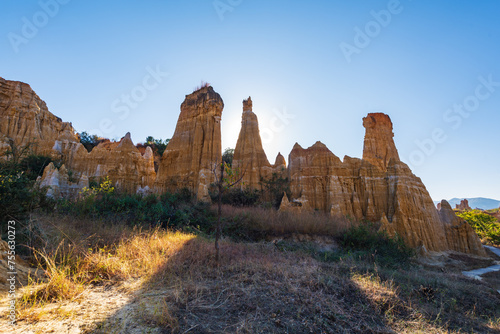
x,y
273,223
256,287
203,84
77,262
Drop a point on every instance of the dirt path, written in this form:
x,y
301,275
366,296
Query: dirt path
x,y
476,273
494,250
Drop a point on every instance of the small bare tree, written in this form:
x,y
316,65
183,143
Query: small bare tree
x,y
17,152
226,177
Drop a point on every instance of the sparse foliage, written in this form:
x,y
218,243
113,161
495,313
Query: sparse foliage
x,y
16,153
487,227
202,85
227,156
89,141
157,145
274,187
223,183
376,246
104,187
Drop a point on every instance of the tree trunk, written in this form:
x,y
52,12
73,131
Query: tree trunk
x,y
219,214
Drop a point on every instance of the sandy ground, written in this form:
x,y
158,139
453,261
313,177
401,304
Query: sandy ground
x,y
83,316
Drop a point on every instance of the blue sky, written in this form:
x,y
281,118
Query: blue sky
x,y
313,70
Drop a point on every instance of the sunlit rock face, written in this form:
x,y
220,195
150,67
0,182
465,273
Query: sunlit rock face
x,y
121,161
26,120
463,206
195,147
379,147
378,188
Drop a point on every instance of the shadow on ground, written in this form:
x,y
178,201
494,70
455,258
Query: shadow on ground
x,y
260,289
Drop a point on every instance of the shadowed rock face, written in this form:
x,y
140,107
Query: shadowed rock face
x,y
459,234
59,184
249,156
195,147
378,188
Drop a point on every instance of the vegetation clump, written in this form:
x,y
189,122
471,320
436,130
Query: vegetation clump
x,y
377,246
89,141
486,226
157,145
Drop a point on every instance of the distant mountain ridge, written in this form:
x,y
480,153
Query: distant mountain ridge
x,y
475,203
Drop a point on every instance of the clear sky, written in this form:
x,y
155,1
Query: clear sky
x,y
312,68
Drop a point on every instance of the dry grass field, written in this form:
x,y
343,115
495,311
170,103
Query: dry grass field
x,y
104,278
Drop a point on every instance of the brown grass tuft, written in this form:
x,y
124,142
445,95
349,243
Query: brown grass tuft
x,y
276,223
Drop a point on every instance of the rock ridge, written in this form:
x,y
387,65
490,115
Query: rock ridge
x,y
378,188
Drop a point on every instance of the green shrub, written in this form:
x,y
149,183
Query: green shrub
x,y
172,210
228,155
89,141
33,165
157,145
376,246
487,227
236,196
273,189
16,196
17,199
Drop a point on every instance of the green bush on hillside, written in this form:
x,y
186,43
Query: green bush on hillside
x,y
15,191
157,145
89,141
378,246
19,197
236,196
273,189
170,210
33,165
487,227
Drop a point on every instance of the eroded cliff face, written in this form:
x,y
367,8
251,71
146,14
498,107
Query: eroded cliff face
x,y
249,156
459,234
127,168
59,184
379,147
463,206
378,188
25,119
195,147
